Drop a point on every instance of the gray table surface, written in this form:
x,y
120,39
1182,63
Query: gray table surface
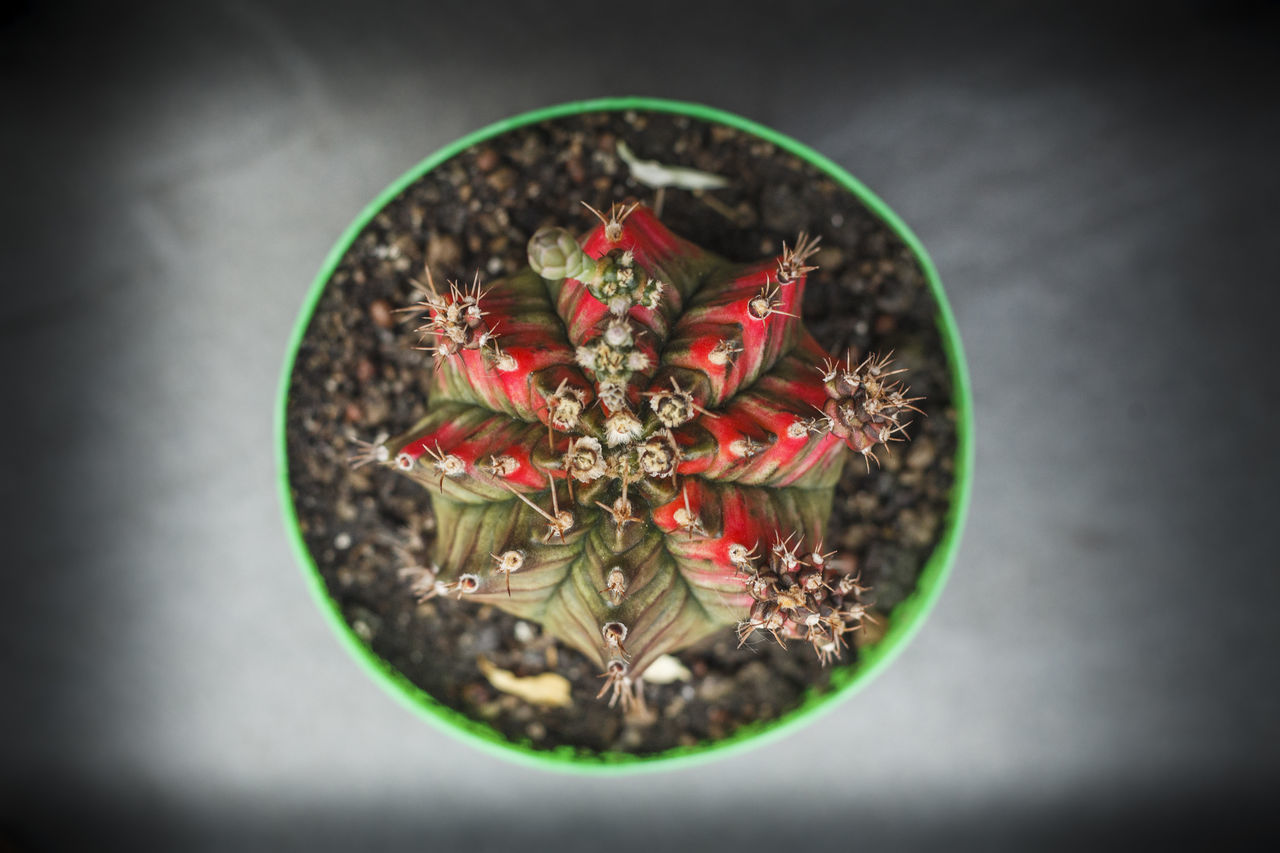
x,y
1098,190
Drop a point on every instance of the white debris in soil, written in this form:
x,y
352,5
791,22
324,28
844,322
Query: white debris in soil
x,y
653,174
665,670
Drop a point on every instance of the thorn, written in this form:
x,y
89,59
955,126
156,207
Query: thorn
x,y
561,521
546,398
508,562
431,283
786,552
723,353
766,303
619,684
615,586
539,510
620,512
464,585
742,558
368,452
447,464
818,558
691,524
614,633
791,265
721,208
422,581
618,214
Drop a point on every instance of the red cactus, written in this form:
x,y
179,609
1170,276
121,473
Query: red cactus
x,y
635,443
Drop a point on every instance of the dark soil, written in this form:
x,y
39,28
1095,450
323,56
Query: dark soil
x,y
357,375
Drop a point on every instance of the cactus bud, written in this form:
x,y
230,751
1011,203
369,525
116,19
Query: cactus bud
x,y
555,254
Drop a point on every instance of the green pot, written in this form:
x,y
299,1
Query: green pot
x,y
905,619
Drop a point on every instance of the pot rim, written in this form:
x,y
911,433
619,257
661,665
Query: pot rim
x,y
904,620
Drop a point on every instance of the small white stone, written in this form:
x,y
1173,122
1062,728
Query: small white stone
x,y
524,632
665,670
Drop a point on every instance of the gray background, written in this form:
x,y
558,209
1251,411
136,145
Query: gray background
x,y
1098,189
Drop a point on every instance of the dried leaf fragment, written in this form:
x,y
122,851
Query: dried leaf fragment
x,y
546,689
653,174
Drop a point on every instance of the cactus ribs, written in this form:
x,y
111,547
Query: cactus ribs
x,y
357,374
634,443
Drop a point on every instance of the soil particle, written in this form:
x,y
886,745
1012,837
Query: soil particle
x,y
487,159
443,251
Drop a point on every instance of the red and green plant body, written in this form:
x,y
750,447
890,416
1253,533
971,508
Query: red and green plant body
x,y
635,443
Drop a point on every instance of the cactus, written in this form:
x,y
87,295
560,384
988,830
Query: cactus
x,y
635,443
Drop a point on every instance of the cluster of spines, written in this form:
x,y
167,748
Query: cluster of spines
x,y
614,279
864,405
800,596
455,322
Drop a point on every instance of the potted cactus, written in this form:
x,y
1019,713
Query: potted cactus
x,y
616,466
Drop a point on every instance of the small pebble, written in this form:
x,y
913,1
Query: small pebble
x,y
666,669
443,251
380,313
829,258
502,180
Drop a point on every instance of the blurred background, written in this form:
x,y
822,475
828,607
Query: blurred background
x,y
1097,185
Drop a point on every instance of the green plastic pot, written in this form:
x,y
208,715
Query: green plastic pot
x,y
904,620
